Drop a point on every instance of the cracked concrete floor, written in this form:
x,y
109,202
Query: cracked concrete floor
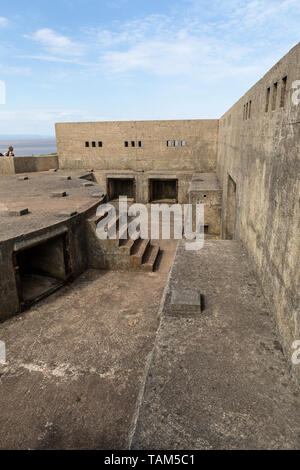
x,y
75,361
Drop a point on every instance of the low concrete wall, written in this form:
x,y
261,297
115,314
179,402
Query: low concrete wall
x,y
12,165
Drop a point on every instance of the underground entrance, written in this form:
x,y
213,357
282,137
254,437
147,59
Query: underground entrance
x,y
41,269
117,187
162,190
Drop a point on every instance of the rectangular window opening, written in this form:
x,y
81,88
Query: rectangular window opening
x,y
268,99
283,92
87,144
183,143
126,144
100,144
132,143
93,144
175,143
274,97
249,109
140,144
169,143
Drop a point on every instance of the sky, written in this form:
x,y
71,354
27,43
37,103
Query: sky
x,y
106,60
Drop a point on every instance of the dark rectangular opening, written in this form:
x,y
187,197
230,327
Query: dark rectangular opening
x,y
41,269
268,99
274,97
117,187
100,144
283,92
140,144
132,143
230,209
169,143
163,190
249,109
87,144
126,144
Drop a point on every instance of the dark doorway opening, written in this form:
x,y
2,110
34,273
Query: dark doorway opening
x,y
230,209
42,269
117,187
163,190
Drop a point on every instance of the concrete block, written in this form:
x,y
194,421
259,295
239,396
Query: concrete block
x,y
97,195
68,213
59,194
15,212
186,301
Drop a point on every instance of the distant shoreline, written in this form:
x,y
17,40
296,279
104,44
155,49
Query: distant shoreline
x,y
29,146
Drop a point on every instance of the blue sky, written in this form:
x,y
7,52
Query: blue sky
x,y
78,60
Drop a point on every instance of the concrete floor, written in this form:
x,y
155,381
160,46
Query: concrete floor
x,y
218,379
76,359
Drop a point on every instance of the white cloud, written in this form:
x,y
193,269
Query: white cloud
x,y
56,43
3,21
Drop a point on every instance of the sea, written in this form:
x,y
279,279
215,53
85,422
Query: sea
x,y
28,147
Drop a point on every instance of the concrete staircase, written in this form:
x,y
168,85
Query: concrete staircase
x,y
121,253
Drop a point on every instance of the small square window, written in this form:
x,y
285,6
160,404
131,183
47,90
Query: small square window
x,y
175,143
93,144
126,144
169,143
132,143
87,144
100,144
140,144
183,143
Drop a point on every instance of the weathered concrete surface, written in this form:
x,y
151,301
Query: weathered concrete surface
x,y
76,360
262,156
48,217
35,194
218,380
205,189
12,165
198,154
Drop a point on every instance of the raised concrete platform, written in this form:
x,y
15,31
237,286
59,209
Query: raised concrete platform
x,y
36,193
218,380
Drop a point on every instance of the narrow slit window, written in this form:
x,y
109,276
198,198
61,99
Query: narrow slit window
x,y
249,109
140,144
132,143
93,144
283,92
183,143
175,143
87,144
99,143
274,97
246,114
268,99
126,144
168,143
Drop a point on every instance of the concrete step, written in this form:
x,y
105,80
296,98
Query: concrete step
x,y
150,258
113,226
127,245
138,255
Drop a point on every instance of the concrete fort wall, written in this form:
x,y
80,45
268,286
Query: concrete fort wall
x,y
13,165
196,149
259,168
